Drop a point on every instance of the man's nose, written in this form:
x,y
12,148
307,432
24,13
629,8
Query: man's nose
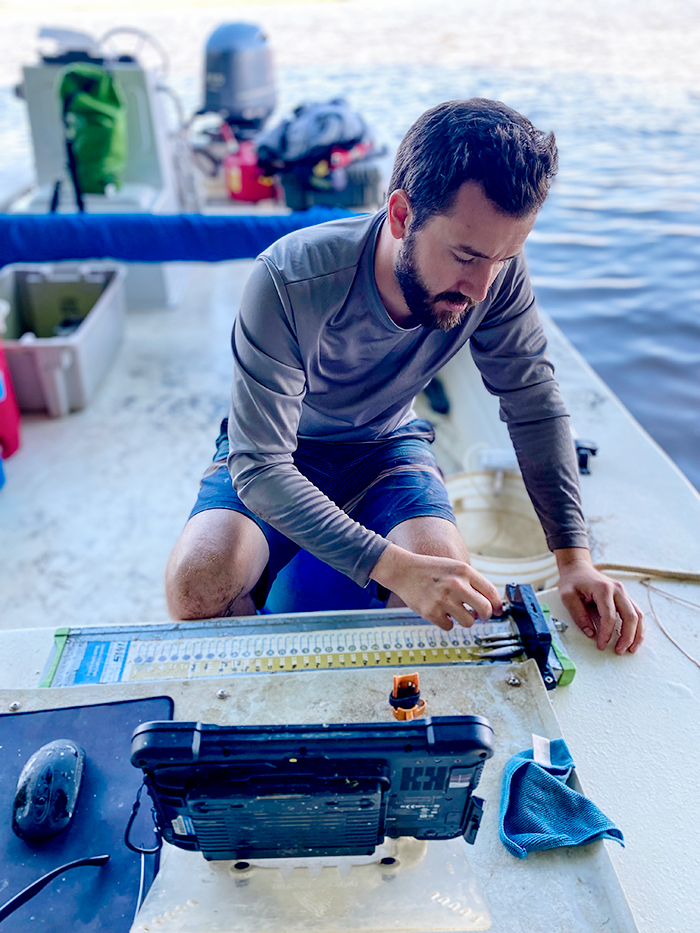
x,y
477,282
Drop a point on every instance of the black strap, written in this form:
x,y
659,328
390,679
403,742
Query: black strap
x,y
73,169
56,197
72,165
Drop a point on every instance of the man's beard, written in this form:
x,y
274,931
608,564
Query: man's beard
x,y
420,302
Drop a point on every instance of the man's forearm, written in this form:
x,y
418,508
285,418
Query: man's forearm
x,y
275,490
548,464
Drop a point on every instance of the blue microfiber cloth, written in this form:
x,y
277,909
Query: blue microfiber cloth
x,y
538,809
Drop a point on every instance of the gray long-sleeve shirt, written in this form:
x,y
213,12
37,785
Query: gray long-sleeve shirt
x,y
316,355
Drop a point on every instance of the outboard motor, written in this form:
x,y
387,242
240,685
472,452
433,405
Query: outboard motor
x,y
239,81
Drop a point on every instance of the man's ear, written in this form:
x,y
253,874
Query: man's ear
x,y
399,213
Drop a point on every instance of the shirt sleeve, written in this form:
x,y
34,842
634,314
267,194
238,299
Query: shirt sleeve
x,y
510,349
269,385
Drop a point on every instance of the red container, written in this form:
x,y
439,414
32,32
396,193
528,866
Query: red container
x,y
9,410
244,179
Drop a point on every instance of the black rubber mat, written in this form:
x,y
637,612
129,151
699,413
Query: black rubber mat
x,y
87,898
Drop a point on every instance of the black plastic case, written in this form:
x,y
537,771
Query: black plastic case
x,y
240,792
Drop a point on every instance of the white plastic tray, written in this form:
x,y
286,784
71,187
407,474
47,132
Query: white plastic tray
x,y
563,890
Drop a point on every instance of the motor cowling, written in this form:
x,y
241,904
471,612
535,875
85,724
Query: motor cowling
x,y
239,78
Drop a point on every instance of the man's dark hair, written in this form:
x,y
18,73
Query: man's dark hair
x,y
474,140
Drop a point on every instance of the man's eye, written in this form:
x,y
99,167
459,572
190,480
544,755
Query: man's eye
x,y
464,262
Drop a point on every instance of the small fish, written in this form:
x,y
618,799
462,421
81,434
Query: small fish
x,y
499,654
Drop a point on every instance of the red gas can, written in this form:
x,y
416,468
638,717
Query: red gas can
x,y
9,410
244,179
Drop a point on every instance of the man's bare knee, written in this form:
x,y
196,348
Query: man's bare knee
x,y
437,537
214,565
198,586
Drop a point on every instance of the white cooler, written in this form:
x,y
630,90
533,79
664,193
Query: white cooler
x,y
63,325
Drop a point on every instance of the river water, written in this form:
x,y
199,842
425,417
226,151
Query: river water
x,y
615,254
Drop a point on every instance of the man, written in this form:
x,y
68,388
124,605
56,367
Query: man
x,y
340,327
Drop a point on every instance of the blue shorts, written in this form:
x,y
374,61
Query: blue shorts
x,y
378,483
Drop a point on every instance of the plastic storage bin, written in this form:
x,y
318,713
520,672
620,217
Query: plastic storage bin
x,y
64,327
364,189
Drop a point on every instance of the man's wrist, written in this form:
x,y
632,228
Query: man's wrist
x,y
566,556
386,567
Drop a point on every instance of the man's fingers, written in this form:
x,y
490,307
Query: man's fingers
x,y
464,616
632,618
483,599
442,621
460,613
620,615
466,601
611,611
441,590
473,602
600,607
595,614
607,611
639,637
457,612
641,627
581,614
484,588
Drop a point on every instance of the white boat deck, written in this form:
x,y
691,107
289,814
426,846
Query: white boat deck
x,y
93,503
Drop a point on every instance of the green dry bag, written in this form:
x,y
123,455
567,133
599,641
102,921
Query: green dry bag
x,y
94,113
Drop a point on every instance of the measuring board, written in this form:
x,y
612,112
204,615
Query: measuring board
x,y
260,645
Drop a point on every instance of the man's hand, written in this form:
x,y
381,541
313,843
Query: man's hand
x,y
439,589
598,605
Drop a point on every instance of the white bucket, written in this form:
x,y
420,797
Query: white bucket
x,y
501,529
